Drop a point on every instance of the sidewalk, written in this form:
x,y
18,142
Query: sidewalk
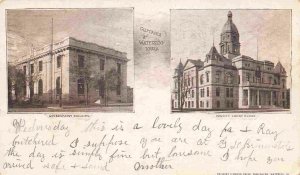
x,y
252,110
68,106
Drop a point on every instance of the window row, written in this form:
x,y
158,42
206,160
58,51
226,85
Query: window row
x,y
227,79
229,92
191,104
101,86
202,92
262,79
80,87
40,68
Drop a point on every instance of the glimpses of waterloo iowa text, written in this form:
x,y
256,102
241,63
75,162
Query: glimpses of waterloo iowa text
x,y
77,60
224,62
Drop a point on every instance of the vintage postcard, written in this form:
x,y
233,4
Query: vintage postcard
x,y
144,87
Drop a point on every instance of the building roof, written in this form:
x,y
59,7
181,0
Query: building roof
x,y
198,62
75,43
229,26
179,68
279,68
213,51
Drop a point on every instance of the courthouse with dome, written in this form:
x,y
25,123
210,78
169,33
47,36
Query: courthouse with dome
x,y
50,69
227,79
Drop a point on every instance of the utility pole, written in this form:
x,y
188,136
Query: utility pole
x,y
105,83
61,75
51,63
257,48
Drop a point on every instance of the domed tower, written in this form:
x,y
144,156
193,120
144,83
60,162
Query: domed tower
x,y
230,44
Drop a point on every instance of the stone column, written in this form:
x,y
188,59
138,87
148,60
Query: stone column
x,y
249,102
258,98
27,83
271,98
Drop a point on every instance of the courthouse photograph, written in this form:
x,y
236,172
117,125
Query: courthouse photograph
x,y
77,60
230,60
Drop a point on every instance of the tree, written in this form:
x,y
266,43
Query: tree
x,y
16,83
184,92
113,82
33,77
85,72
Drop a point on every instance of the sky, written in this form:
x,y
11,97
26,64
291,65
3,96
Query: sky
x,y
263,33
111,28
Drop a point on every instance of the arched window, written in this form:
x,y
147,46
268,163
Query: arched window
x,y
58,88
229,78
201,79
40,92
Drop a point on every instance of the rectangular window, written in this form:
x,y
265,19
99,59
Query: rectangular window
x,y
202,92
101,87
231,92
80,61
58,85
80,86
248,76
217,77
245,97
192,93
282,95
227,92
207,104
31,68
102,63
207,91
40,90
58,61
40,66
192,81
207,77
119,68
217,91
24,70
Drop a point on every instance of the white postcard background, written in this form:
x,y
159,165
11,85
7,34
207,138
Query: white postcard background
x,y
152,100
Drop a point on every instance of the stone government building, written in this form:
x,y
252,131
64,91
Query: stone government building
x,y
228,80
51,65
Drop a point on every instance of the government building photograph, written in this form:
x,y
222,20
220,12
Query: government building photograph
x,y
217,74
73,62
